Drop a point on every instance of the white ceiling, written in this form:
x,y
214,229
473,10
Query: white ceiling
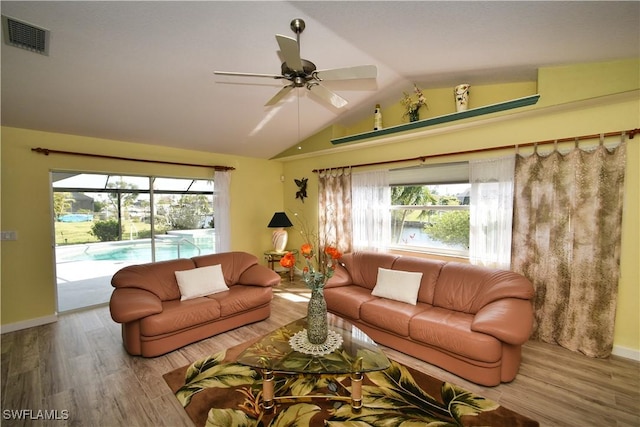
x,y
143,71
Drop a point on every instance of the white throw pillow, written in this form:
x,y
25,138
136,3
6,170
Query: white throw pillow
x,y
398,285
201,281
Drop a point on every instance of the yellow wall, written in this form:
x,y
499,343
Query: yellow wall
x,y
573,110
28,278
28,282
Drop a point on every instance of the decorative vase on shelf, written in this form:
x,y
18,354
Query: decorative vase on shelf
x,y
377,118
461,93
414,115
317,327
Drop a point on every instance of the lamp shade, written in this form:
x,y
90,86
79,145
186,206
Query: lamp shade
x,y
280,236
280,220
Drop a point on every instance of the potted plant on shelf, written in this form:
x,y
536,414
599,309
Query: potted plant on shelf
x,y
413,105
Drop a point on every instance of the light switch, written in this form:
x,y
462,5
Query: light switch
x,y
9,235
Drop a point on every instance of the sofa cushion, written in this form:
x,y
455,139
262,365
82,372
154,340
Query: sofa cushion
x,y
242,298
430,270
397,285
346,300
157,278
235,263
129,304
451,331
201,281
389,315
468,288
363,266
259,275
177,315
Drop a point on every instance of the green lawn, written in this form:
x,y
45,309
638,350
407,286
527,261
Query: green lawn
x,y
72,233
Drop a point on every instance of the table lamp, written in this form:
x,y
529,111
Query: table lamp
x,y
280,236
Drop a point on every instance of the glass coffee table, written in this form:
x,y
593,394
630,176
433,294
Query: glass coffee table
x,y
355,354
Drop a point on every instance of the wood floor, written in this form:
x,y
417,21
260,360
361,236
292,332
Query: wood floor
x,y
77,366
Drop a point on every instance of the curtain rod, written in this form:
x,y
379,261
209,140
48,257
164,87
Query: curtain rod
x,y
631,134
46,152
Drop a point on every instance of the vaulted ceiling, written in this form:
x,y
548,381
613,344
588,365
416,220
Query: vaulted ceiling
x,y
143,71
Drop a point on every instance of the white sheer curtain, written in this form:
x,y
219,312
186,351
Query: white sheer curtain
x,y
222,211
491,211
371,201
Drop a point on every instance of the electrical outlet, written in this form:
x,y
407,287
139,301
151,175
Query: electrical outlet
x,y
8,235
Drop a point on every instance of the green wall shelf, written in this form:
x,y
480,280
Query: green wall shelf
x,y
474,112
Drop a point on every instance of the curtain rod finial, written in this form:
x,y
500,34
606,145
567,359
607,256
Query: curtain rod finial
x,y
44,151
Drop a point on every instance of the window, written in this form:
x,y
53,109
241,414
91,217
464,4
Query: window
x,y
107,208
430,209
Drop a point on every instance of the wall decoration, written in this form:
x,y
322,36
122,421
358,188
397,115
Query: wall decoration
x,y
302,188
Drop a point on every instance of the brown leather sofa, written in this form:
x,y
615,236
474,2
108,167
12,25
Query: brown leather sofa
x,y
147,301
469,320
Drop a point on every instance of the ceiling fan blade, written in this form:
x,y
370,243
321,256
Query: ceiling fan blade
x,y
329,96
278,96
233,73
290,52
348,73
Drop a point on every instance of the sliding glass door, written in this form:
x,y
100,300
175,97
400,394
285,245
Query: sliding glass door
x,y
104,222
183,218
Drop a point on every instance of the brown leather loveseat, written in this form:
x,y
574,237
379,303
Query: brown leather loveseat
x,y
469,320
158,316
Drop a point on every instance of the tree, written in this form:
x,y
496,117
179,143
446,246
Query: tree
x,y
410,195
189,212
98,206
61,203
106,231
448,200
451,228
126,198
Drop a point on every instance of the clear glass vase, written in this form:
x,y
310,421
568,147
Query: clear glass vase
x,y
317,328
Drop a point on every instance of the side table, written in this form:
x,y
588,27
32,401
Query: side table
x,y
272,257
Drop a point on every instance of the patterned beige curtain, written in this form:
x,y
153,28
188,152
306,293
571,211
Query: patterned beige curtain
x,y
334,209
566,240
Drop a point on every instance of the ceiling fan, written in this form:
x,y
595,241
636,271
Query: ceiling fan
x,y
303,73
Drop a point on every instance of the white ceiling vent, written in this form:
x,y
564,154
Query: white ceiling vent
x,y
25,36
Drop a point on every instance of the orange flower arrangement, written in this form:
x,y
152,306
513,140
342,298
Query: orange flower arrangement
x,y
306,250
319,267
315,278
288,260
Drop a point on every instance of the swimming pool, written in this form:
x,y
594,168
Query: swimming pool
x,y
76,218
137,250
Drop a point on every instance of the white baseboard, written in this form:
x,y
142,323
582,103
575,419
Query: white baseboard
x,y
12,327
627,353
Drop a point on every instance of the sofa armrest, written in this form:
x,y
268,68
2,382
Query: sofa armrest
x,y
259,275
509,319
341,277
129,304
